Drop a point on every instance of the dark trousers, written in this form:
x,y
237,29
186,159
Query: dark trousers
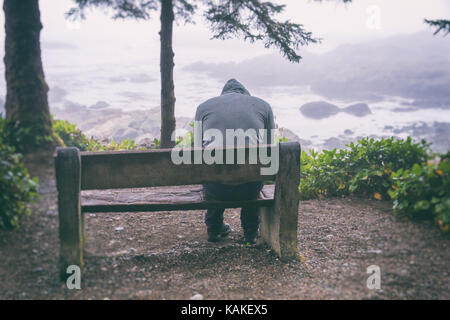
x,y
247,191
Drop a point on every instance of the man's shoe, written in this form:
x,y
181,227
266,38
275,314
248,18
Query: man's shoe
x,y
250,236
226,229
214,236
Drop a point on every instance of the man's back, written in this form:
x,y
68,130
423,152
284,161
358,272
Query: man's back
x,y
234,109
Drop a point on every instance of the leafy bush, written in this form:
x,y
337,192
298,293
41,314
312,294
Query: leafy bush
x,y
423,192
384,169
363,168
16,186
74,137
71,135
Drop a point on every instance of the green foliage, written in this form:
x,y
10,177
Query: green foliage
x,y
16,186
383,169
279,139
185,141
73,137
423,192
363,168
126,144
24,136
157,143
13,133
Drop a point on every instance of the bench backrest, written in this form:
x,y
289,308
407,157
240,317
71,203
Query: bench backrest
x,y
125,169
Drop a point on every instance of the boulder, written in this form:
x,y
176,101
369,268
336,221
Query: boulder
x,y
319,110
348,132
56,94
100,105
359,109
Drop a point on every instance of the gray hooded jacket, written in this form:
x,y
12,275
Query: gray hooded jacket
x,y
235,108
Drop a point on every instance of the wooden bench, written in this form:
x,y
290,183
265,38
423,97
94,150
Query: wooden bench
x,y
126,181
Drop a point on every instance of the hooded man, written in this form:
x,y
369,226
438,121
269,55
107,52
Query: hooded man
x,y
234,109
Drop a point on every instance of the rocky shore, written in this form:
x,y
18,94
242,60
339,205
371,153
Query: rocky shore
x,y
143,126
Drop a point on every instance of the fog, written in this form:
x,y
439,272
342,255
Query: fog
x,y
104,73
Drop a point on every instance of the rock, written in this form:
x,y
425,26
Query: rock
x,y
334,143
141,78
75,107
197,296
283,132
348,132
100,105
146,142
319,110
56,94
129,134
403,109
359,109
142,294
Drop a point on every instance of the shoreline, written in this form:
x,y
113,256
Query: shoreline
x,y
143,126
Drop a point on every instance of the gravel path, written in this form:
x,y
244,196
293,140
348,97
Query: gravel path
x,y
166,256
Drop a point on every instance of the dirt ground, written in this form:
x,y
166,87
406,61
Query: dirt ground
x,y
166,256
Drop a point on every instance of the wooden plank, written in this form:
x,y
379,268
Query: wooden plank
x,y
279,223
71,229
162,199
109,170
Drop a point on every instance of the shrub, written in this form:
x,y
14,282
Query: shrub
x,y
422,192
385,168
363,168
16,186
71,135
74,137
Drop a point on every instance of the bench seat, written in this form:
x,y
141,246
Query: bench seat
x,y
172,198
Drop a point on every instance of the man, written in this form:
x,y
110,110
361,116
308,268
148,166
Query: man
x,y
235,108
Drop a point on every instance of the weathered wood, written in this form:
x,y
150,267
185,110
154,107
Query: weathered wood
x,y
162,199
168,122
71,228
118,170
279,222
140,170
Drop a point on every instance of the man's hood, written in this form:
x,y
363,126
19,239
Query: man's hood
x,y
234,86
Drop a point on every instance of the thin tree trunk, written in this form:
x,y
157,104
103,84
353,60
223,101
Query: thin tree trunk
x,y
26,98
168,124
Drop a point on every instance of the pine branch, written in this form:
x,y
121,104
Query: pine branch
x,y
254,21
440,25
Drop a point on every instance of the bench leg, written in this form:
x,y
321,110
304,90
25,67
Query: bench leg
x,y
71,227
279,222
279,231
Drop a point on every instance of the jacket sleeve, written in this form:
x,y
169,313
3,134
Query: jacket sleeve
x,y
270,126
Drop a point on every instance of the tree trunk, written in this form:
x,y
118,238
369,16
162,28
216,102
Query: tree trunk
x,y
168,124
26,99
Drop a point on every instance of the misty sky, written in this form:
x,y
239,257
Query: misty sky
x,y
116,63
335,23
